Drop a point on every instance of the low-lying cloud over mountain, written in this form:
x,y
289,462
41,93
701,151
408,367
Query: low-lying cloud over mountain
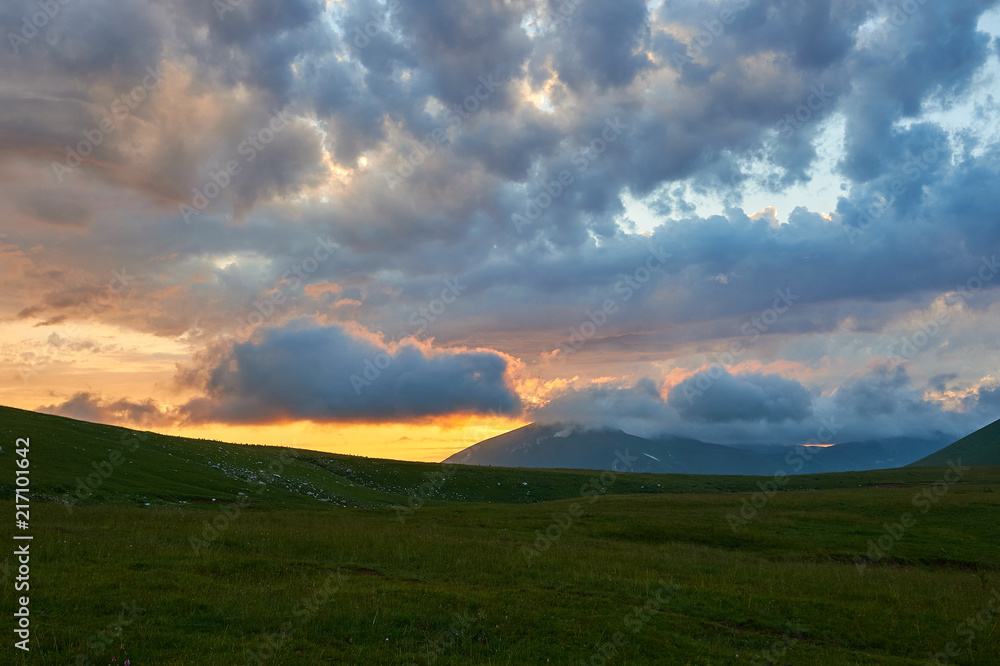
x,y
713,405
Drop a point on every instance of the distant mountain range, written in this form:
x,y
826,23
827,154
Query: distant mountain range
x,y
573,447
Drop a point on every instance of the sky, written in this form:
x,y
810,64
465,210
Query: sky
x,y
397,228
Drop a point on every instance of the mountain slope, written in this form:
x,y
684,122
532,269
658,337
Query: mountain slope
x,y
567,447
981,448
554,446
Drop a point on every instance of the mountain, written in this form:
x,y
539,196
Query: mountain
x,y
559,446
573,447
980,449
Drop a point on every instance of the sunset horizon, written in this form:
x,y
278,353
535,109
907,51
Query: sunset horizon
x,y
377,230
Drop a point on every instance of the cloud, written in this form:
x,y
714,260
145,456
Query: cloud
x,y
599,44
637,408
939,381
713,405
744,397
722,407
86,406
988,400
55,207
331,373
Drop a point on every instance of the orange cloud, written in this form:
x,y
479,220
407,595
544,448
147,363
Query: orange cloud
x,y
320,288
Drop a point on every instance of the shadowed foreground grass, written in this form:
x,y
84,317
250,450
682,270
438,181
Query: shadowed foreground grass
x,y
166,550
663,575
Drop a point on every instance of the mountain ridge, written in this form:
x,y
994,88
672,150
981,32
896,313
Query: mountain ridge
x,y
574,447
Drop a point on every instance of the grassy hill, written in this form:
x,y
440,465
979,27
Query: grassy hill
x,y
313,564
162,470
981,448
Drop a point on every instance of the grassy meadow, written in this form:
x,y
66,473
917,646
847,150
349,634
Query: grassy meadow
x,y
193,552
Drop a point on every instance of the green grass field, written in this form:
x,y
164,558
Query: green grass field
x,y
327,559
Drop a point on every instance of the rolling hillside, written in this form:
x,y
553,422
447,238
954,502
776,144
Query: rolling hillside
x,y
498,566
981,448
150,469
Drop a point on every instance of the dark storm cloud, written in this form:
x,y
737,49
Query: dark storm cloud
x,y
883,402
701,402
770,408
455,43
329,374
597,404
885,391
86,41
930,57
746,397
939,382
252,42
599,44
766,408
988,399
506,155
